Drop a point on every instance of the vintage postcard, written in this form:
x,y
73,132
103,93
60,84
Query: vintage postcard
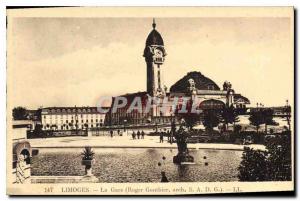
x,y
150,100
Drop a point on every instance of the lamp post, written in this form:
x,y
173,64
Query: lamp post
x,y
125,120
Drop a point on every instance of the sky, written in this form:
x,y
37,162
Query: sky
x,y
74,61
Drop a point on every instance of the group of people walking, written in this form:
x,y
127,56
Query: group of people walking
x,y
119,133
139,135
168,134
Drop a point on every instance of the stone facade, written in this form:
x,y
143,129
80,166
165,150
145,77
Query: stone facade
x,y
194,85
69,118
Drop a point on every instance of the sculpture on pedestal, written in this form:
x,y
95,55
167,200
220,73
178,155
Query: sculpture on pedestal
x,y
189,119
183,155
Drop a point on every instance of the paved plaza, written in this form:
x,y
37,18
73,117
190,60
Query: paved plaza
x,y
128,142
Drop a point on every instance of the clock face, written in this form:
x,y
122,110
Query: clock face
x,y
158,53
158,56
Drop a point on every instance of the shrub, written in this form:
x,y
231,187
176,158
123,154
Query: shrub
x,y
253,165
87,153
271,165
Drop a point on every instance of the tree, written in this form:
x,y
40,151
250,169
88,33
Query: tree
x,y
38,114
190,117
235,136
211,119
37,132
237,128
274,164
38,128
256,119
20,113
229,115
190,120
280,161
268,118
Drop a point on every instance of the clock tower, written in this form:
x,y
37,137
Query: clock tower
x,y
154,54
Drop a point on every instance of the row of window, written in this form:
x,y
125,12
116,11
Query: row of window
x,y
73,116
71,110
135,114
67,127
141,121
77,121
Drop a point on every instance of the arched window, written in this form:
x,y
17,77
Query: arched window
x,y
211,104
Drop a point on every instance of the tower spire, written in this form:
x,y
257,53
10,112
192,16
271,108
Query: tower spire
x,y
153,24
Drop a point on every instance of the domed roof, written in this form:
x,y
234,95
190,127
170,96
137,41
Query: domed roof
x,y
154,38
201,83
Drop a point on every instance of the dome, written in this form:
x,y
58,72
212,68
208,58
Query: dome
x,y
201,83
154,38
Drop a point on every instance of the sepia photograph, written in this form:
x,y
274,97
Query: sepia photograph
x,y
150,101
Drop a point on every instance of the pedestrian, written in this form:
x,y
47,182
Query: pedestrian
x,y
138,134
161,137
133,135
171,137
168,134
143,134
111,133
